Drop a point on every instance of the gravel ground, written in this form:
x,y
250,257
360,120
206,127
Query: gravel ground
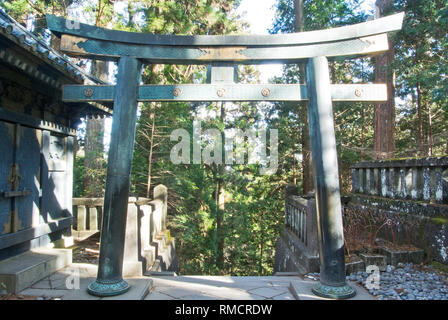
x,y
87,251
404,282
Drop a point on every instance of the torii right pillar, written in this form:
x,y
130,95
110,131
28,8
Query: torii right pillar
x,y
332,282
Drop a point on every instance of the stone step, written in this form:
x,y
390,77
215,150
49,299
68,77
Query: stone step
x,y
151,273
83,235
165,259
22,271
286,274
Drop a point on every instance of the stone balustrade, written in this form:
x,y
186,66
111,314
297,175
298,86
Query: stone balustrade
x,y
300,218
88,212
418,179
146,234
297,247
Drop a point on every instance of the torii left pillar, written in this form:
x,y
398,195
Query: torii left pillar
x,y
109,281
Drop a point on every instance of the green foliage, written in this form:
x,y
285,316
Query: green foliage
x,y
319,14
353,121
78,177
239,236
96,172
421,72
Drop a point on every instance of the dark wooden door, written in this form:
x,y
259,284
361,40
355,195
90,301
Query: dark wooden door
x,y
6,162
28,161
20,163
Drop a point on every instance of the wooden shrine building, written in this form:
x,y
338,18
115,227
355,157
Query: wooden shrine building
x,y
37,132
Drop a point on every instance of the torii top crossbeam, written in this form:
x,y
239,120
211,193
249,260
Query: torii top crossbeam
x,y
131,50
366,38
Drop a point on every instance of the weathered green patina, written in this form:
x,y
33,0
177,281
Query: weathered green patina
x,y
223,53
61,26
109,280
340,43
232,92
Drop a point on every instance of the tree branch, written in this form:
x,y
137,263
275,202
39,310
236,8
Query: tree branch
x,y
32,5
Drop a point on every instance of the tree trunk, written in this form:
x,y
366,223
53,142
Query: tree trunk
x,y
153,116
260,272
221,202
307,171
150,113
94,146
384,118
220,217
429,130
363,142
421,147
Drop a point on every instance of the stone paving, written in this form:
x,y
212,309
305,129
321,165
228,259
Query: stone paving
x,y
238,288
62,285
220,288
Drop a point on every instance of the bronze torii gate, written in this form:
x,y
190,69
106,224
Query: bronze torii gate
x,y
222,53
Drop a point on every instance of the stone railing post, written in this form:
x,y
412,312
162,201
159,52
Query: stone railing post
x,y
444,183
416,192
402,182
391,183
311,228
161,193
376,182
131,264
93,219
384,182
355,180
156,218
426,184
368,181
362,180
81,218
408,182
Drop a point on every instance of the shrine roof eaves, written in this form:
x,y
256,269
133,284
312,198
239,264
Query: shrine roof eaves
x,y
14,31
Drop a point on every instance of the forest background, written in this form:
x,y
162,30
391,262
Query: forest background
x,y
226,219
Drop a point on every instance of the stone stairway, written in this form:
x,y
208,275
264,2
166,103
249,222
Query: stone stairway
x,y
22,271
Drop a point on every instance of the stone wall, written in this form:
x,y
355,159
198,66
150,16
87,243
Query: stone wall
x,y
431,222
414,188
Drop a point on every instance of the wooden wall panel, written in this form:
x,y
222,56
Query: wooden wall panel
x,y
28,160
6,161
